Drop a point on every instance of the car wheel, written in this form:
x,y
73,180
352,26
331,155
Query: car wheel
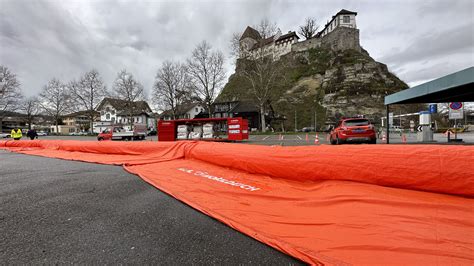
x,y
100,139
338,141
373,141
332,140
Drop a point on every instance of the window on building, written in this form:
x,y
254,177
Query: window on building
x,y
196,109
107,109
107,116
346,19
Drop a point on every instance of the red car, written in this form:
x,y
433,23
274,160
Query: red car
x,y
358,130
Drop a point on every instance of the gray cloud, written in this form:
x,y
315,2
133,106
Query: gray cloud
x,y
40,40
459,40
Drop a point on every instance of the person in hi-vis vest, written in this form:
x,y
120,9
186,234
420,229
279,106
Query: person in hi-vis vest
x,y
16,135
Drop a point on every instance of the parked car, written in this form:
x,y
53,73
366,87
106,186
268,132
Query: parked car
x,y
307,129
396,129
353,130
4,135
42,133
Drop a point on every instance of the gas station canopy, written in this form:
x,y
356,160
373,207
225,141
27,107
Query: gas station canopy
x,y
456,87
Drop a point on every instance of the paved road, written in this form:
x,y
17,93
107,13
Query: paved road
x,y
54,211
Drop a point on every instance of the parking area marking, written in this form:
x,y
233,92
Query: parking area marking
x,y
265,137
299,137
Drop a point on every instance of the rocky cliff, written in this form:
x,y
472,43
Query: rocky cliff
x,y
322,84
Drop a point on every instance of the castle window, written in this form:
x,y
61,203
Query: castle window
x,y
346,19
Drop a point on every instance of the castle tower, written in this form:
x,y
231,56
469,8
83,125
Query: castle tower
x,y
343,18
247,41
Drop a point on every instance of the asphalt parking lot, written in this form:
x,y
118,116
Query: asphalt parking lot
x,y
302,139
61,212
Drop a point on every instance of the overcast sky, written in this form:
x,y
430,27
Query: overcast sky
x,y
41,40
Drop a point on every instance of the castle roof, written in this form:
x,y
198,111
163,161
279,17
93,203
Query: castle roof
x,y
290,34
271,39
250,33
344,12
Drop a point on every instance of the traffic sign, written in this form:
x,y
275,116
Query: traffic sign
x,y
455,105
419,128
456,110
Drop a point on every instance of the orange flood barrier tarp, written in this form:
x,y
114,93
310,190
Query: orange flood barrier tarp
x,y
364,204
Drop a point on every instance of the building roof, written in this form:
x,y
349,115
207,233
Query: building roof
x,y
290,34
244,107
79,113
250,32
456,87
180,110
271,39
345,12
10,114
119,105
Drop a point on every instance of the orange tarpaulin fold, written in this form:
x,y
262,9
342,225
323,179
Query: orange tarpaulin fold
x,y
373,204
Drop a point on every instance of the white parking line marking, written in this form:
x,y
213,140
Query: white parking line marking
x,y
265,137
299,137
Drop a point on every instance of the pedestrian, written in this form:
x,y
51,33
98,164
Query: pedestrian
x,y
17,135
32,134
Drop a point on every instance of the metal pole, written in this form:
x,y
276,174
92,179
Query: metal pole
x,y
315,121
455,129
295,121
388,124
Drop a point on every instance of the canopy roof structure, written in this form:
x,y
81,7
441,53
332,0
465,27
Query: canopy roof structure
x,y
456,87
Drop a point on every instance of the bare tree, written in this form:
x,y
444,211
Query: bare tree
x,y
171,86
87,93
55,100
206,70
309,28
10,93
235,45
30,108
266,28
127,89
261,71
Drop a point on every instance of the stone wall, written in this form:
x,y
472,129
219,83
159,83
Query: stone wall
x,y
342,38
306,44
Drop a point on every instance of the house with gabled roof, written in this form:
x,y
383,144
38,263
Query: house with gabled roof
x,y
119,112
185,111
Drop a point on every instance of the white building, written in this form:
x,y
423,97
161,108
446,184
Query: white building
x,y
117,112
185,111
343,18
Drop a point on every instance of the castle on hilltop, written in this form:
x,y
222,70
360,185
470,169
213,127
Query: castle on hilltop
x,y
340,33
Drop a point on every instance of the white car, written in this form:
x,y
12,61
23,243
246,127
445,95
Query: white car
x,y
42,133
4,135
